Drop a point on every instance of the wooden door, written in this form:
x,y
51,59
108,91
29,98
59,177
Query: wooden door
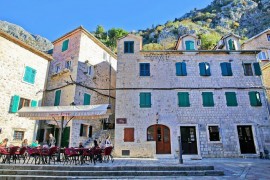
x,y
246,140
188,139
163,140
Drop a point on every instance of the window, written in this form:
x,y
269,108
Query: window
x,y
181,69
231,99
268,37
29,75
226,69
190,45
24,103
208,100
257,69
57,68
86,100
65,45
57,97
213,133
18,135
231,44
128,134
89,70
104,56
68,65
183,99
150,133
144,69
129,47
262,56
254,98
248,69
204,69
83,130
145,100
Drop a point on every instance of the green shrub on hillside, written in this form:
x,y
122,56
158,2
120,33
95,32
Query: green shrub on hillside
x,y
152,47
209,40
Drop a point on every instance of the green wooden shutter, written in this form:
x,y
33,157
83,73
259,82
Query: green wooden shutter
x,y
184,69
87,98
145,100
27,74
258,98
33,103
15,103
257,69
254,98
126,47
189,45
148,99
142,100
208,100
229,69
57,98
178,69
183,99
65,45
81,130
231,99
33,76
231,44
224,69
131,47
202,69
207,69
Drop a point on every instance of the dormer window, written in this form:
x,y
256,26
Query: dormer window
x,y
231,44
190,45
57,68
68,65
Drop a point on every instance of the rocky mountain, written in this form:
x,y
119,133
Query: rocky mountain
x,y
243,17
35,41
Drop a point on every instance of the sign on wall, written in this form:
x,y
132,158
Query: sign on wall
x,y
121,120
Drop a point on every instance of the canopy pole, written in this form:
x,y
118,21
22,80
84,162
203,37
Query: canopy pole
x,y
60,137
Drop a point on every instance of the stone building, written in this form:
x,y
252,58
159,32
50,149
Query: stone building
x,y
214,99
82,66
22,79
262,42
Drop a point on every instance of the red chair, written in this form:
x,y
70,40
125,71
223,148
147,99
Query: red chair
x,y
97,154
21,154
87,153
32,152
11,153
71,155
50,153
107,154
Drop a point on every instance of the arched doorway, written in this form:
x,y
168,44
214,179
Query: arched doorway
x,y
160,134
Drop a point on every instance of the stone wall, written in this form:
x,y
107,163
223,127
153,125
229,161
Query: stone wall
x,y
261,42
13,59
165,101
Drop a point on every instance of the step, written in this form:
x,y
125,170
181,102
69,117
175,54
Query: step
x,y
110,167
110,173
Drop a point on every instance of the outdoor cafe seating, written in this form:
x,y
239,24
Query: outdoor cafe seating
x,y
39,155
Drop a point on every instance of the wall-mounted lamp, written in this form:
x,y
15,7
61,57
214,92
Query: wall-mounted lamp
x,y
157,117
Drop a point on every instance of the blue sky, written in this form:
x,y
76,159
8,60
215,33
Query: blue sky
x,y
53,18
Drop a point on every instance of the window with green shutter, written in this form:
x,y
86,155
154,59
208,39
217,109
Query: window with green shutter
x,y
34,103
145,100
129,47
65,45
257,69
181,69
57,97
15,104
231,99
190,45
254,98
208,99
183,99
231,44
29,75
226,69
87,98
144,69
204,69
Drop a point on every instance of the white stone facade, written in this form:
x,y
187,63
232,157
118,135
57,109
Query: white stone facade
x,y
15,55
163,84
83,51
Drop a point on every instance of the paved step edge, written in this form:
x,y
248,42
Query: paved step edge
x,y
113,173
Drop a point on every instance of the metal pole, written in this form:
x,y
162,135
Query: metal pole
x,y
60,138
180,150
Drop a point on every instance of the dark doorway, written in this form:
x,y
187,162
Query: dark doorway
x,y
189,140
160,134
246,140
65,137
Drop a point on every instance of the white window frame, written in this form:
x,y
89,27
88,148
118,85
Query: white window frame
x,y
23,135
68,65
87,129
56,70
208,133
262,55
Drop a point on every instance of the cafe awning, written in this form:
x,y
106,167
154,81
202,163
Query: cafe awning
x,y
75,112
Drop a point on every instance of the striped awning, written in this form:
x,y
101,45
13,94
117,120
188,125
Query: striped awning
x,y
57,112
